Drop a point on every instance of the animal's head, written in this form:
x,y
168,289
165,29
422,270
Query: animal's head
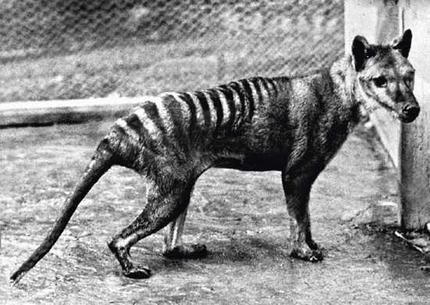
x,y
385,78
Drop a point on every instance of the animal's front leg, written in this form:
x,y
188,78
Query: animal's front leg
x,y
173,246
297,191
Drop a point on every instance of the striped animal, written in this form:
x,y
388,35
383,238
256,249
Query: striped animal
x,y
294,125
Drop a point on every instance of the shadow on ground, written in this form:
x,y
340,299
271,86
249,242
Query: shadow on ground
x,y
241,217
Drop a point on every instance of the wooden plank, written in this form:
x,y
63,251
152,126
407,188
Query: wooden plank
x,y
64,111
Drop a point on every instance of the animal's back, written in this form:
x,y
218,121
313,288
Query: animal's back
x,y
180,124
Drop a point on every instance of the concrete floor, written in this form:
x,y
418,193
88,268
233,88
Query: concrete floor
x,y
241,217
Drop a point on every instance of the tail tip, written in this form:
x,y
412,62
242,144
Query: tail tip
x,y
16,277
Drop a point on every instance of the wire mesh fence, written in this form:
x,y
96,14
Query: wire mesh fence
x,y
55,49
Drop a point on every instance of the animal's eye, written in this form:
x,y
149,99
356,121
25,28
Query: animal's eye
x,y
410,83
380,82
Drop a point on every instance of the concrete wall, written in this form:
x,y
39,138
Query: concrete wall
x,y
381,21
415,138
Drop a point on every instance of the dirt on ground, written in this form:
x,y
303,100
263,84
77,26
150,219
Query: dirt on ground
x,y
241,217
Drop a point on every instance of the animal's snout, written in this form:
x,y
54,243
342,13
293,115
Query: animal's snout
x,y
410,112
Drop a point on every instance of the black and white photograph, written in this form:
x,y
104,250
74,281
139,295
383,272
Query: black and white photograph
x,y
214,152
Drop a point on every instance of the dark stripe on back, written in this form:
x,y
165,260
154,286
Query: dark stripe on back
x,y
151,110
128,153
218,107
236,87
230,102
249,97
265,86
258,88
120,131
274,88
125,150
135,124
193,116
205,106
175,113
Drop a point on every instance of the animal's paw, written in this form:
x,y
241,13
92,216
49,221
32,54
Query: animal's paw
x,y
138,273
307,254
187,251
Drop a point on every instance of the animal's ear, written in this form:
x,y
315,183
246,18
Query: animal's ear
x,y
403,44
361,51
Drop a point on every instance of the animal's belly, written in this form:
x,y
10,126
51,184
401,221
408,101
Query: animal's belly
x,y
253,162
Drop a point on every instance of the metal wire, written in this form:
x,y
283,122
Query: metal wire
x,y
53,49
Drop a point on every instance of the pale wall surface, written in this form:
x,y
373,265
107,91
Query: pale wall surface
x,y
415,148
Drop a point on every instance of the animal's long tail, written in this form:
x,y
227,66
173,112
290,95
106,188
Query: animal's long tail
x,y
101,161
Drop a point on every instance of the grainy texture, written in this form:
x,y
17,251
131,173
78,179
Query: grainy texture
x,y
290,124
240,216
78,48
294,125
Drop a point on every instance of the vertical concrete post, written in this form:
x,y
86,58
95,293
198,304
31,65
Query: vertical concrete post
x,y
415,137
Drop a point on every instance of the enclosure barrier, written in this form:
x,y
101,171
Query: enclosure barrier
x,y
78,48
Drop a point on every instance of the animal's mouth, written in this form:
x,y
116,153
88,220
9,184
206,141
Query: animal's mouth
x,y
404,118
408,113
407,118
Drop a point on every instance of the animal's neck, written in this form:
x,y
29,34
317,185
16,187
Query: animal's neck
x,y
335,86
343,76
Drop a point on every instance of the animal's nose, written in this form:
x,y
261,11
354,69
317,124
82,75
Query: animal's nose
x,y
411,111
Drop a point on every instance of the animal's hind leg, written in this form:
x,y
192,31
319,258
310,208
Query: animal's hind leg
x,y
173,246
163,205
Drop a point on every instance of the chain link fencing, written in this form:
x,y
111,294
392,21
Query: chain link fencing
x,y
56,49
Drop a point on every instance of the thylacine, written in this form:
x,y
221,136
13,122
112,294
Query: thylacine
x,y
294,125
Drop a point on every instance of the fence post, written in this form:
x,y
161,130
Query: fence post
x,y
415,137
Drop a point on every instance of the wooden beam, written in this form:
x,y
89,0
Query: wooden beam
x,y
39,113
